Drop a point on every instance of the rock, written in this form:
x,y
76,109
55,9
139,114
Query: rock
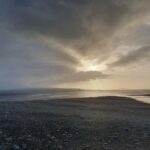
x,y
70,135
1,147
24,145
148,134
126,129
53,138
145,135
60,147
148,124
109,141
115,133
29,136
16,147
9,139
115,138
58,130
105,144
138,143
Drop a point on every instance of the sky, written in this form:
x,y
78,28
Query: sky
x,y
87,44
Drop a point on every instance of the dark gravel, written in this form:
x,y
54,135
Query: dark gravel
x,y
106,123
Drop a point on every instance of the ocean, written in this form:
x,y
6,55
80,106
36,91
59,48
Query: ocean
x,y
49,94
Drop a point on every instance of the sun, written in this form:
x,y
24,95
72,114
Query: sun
x,y
91,65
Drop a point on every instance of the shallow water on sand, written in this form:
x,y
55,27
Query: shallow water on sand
x,y
145,99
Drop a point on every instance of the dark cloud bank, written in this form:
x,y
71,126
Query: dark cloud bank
x,y
132,57
44,40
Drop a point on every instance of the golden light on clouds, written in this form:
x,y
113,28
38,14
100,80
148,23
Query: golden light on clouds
x,y
91,65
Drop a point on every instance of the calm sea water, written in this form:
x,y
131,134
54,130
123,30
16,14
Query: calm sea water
x,y
48,94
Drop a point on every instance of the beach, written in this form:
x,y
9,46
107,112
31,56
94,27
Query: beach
x,y
102,123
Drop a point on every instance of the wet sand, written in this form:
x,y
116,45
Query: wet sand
x,y
105,123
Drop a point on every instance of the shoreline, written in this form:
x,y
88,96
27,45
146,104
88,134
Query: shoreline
x,y
139,98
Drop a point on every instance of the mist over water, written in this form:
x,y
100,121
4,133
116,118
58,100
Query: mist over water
x,y
49,94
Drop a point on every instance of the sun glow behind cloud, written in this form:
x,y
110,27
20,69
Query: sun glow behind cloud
x,y
91,65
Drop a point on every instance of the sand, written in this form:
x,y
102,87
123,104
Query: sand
x,y
104,123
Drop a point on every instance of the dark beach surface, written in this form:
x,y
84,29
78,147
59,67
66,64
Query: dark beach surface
x,y
104,123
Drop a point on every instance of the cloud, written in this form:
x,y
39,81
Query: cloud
x,y
138,35
132,57
83,76
86,26
23,60
47,40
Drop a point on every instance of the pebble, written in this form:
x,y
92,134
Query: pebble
x,y
9,139
105,144
148,134
1,147
29,136
116,133
137,143
109,141
60,147
24,145
126,129
145,135
115,138
53,138
16,147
